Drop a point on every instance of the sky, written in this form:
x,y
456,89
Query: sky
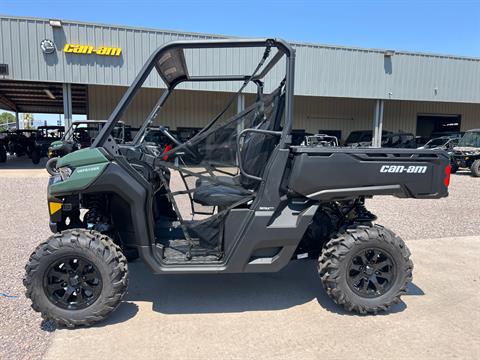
x,y
446,27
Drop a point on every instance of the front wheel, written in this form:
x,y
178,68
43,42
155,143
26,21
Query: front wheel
x,y
3,154
51,166
453,169
475,168
77,277
366,269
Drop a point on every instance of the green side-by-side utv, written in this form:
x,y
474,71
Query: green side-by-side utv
x,y
256,202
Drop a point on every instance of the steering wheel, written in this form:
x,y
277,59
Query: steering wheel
x,y
177,142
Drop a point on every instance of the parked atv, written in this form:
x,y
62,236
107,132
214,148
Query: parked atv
x,y
255,211
467,153
44,137
78,136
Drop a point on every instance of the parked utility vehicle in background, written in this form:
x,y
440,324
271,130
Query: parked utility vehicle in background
x,y
253,209
44,137
446,143
21,142
467,153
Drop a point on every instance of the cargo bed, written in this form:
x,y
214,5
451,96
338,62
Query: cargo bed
x,y
326,174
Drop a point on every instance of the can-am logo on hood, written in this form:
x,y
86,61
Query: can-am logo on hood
x,y
401,169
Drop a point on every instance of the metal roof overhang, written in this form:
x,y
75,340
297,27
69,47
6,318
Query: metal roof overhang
x,y
40,97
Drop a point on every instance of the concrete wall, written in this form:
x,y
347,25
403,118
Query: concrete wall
x,y
195,108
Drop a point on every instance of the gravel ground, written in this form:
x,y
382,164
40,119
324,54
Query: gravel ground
x,y
24,224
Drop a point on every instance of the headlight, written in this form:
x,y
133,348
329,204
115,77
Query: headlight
x,y
65,172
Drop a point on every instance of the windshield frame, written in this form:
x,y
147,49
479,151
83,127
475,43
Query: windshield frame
x,y
284,50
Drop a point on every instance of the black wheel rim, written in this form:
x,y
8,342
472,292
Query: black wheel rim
x,y
72,283
371,272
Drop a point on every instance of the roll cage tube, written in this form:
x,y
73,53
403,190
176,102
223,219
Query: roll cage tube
x,y
283,49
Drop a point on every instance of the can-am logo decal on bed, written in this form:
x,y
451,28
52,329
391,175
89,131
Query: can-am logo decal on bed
x,y
412,169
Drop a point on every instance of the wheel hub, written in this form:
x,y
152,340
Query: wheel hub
x,y
72,283
371,272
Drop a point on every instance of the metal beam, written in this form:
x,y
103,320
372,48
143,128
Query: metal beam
x,y
378,124
67,105
7,103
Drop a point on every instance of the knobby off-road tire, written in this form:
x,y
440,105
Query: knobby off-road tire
x,y
3,154
35,157
476,168
341,262
51,166
88,247
453,168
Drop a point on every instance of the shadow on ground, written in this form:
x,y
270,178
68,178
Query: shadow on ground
x,y
295,285
22,163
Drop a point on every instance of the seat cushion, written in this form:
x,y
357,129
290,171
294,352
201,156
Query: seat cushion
x,y
231,180
218,195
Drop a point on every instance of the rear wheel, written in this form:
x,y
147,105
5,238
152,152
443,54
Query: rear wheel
x,y
454,168
475,168
366,269
35,157
76,278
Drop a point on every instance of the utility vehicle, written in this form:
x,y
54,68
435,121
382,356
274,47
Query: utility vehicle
x,y
467,153
362,138
252,209
21,142
78,136
44,137
446,143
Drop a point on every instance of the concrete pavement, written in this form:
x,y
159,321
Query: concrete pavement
x,y
287,315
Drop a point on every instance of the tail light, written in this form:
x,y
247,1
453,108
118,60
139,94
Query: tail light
x,y
448,171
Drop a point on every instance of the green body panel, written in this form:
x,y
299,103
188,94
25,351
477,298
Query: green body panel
x,y
80,179
56,145
82,157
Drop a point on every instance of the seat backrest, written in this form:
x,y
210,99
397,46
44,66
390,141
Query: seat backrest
x,y
257,148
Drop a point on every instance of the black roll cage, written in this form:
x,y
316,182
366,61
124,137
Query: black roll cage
x,y
284,49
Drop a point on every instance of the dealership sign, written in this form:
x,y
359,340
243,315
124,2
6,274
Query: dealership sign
x,y
89,49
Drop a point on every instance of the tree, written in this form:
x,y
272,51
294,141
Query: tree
x,y
6,120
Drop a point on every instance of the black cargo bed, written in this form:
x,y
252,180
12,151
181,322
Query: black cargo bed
x,y
324,173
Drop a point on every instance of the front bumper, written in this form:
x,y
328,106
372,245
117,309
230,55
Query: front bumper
x,y
61,209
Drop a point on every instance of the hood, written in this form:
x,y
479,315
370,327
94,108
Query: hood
x,y
56,145
469,149
82,157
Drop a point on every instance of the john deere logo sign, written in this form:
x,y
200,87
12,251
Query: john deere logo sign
x,y
89,49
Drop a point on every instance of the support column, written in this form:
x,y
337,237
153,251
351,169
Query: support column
x,y
67,105
377,124
17,120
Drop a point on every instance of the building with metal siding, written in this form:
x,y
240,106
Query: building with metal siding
x,y
337,87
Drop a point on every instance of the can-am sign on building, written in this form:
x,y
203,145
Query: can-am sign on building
x,y
89,49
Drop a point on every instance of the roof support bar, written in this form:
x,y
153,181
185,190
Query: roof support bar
x,y
377,124
67,105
